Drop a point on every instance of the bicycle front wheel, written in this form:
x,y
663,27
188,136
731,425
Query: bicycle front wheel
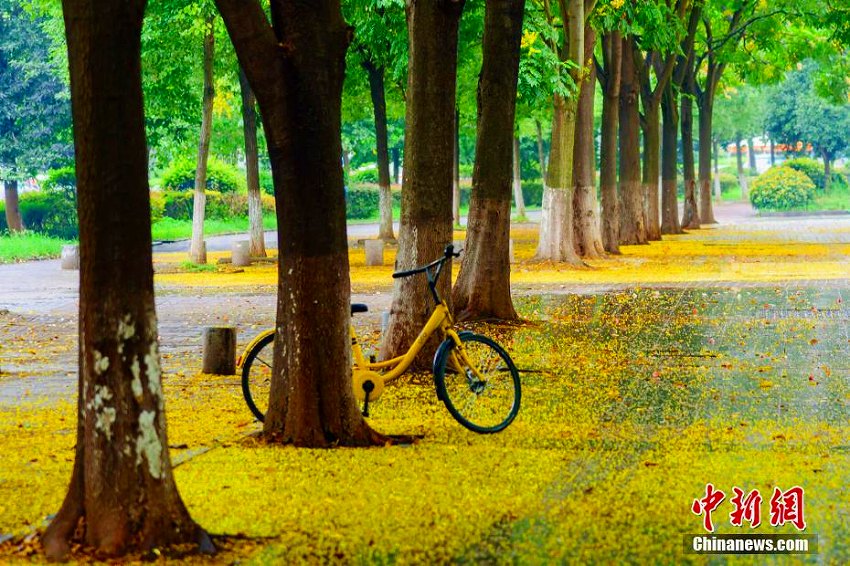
x,y
479,384
257,376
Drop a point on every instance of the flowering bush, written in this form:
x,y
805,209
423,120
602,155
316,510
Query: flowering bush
x,y
781,188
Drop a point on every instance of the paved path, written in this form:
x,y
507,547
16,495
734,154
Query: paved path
x,y
38,308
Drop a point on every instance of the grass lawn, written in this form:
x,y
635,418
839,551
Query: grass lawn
x,y
29,246
171,229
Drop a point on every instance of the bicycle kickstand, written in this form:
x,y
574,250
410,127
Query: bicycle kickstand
x,y
368,387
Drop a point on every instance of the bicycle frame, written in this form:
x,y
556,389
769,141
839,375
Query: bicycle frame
x,y
441,319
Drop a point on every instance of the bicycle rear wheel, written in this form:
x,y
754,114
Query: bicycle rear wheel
x,y
479,385
257,376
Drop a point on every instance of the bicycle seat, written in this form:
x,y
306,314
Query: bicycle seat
x,y
359,307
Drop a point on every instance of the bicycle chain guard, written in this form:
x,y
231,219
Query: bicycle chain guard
x,y
360,378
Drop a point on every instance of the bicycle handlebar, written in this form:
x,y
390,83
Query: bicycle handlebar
x,y
448,254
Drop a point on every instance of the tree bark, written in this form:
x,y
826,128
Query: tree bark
x,y
690,219
651,165
706,210
827,170
612,56
426,200
13,208
122,497
252,168
742,175
397,165
772,154
715,151
379,104
751,153
296,68
588,235
557,242
669,160
632,224
456,170
519,201
541,153
483,288
197,250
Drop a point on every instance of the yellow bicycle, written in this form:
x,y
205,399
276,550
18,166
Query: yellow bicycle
x,y
474,376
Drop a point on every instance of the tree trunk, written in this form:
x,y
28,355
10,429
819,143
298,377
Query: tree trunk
x,y
690,219
426,215
827,170
299,91
706,211
556,224
519,201
669,160
252,168
396,152
588,235
379,104
541,152
718,188
651,173
751,152
632,225
612,51
197,250
13,208
483,288
122,496
456,171
742,176
772,154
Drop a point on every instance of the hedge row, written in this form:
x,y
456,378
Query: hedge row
x,y
49,212
55,213
180,204
362,201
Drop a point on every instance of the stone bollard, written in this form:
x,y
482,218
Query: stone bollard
x,y
459,245
70,257
241,253
374,252
385,321
219,350
511,251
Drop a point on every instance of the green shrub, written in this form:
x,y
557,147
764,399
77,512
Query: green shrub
x,y
364,176
729,183
465,170
52,213
837,181
266,182
361,202
157,206
63,179
221,177
811,168
178,204
220,206
781,188
532,192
